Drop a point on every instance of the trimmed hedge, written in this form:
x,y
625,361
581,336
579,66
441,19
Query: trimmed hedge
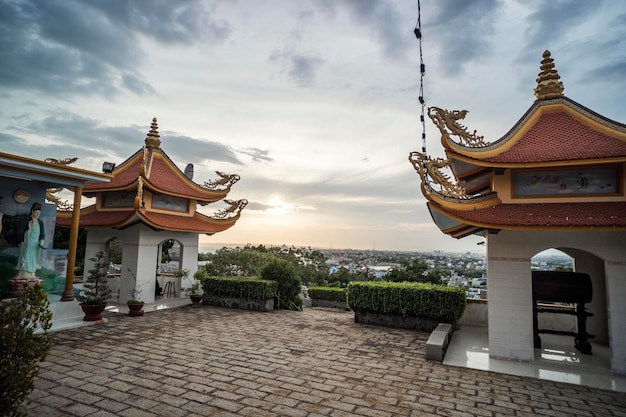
x,y
437,302
249,287
327,293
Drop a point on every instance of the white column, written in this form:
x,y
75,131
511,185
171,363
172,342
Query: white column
x,y
616,300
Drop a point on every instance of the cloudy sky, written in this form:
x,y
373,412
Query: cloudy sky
x,y
312,102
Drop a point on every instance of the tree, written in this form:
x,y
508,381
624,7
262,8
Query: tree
x,y
310,265
62,241
414,270
115,251
24,343
96,285
289,284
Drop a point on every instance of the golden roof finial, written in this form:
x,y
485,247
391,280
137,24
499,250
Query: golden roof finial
x,y
153,139
548,84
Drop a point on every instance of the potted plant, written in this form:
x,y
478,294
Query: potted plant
x,y
93,301
194,292
135,304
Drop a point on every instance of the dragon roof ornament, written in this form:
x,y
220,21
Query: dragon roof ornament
x,y
433,178
447,120
52,193
235,207
223,183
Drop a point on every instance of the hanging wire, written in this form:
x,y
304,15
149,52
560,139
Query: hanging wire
x,y
418,35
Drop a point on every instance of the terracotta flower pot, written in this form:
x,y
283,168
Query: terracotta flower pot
x,y
135,309
195,300
93,312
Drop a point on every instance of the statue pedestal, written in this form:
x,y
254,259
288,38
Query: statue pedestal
x,y
17,285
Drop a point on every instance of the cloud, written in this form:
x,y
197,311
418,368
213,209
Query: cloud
x,y
257,155
383,21
90,138
197,151
462,30
554,20
303,69
71,47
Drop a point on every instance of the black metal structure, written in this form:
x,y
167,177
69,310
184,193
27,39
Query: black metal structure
x,y
563,287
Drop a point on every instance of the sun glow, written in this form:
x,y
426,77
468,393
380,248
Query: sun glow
x,y
276,206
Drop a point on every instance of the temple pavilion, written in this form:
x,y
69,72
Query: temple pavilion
x,y
554,180
148,202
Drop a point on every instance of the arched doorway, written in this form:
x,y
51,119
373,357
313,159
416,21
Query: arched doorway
x,y
561,316
169,264
114,249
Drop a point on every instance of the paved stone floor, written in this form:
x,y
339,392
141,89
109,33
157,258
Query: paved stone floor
x,y
210,361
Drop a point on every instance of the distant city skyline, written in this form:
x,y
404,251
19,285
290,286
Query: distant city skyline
x,y
313,103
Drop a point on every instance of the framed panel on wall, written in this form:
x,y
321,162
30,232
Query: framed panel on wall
x,y
594,180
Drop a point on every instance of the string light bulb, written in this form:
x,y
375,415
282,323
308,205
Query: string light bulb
x,y
418,34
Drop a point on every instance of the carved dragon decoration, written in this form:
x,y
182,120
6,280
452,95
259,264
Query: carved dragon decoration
x,y
430,172
65,161
62,205
139,203
448,120
51,193
235,207
224,182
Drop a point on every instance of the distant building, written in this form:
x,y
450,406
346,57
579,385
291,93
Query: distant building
x,y
555,180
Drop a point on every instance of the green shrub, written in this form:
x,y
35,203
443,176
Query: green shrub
x,y
425,300
289,284
248,288
327,293
24,343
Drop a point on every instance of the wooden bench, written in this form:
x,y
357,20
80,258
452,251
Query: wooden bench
x,y
438,342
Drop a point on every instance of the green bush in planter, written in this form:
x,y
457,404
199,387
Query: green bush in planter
x,y
327,293
248,288
436,302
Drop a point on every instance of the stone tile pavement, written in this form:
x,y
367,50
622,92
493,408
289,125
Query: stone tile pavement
x,y
212,361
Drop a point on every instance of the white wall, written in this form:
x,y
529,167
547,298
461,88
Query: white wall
x,y
510,286
140,256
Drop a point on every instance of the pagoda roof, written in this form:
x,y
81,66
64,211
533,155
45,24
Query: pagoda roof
x,y
553,132
556,133
158,174
121,219
150,176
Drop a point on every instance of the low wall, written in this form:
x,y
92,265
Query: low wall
x,y
240,303
476,314
395,320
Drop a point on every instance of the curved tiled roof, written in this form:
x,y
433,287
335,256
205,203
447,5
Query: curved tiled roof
x,y
529,215
123,175
559,137
166,177
91,218
198,223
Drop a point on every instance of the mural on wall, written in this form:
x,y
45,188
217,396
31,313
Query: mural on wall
x,y
26,234
570,182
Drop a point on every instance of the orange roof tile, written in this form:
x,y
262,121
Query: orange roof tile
x,y
199,223
123,175
503,216
91,218
163,177
559,137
